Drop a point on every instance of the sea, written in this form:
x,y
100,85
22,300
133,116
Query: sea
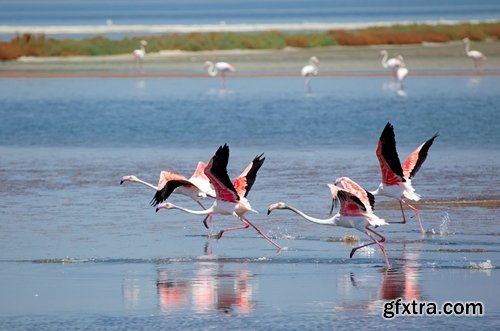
x,y
79,251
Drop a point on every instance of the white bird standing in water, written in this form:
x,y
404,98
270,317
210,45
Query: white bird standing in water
x,y
312,69
393,63
220,69
476,56
140,53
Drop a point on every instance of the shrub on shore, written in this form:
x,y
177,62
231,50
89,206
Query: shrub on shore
x,y
40,45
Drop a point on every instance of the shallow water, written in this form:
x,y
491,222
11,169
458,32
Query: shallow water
x,y
77,250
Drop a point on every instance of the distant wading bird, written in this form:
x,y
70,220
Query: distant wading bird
x,y
393,63
140,53
220,69
396,177
476,56
197,187
312,69
231,198
356,211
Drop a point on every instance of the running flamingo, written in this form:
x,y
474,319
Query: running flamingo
x,y
396,177
355,212
196,187
393,63
219,68
312,69
476,56
231,198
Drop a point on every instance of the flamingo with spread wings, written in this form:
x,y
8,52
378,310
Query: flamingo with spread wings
x,y
356,211
231,198
396,177
196,187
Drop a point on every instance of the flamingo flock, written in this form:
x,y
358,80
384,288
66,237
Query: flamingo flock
x,y
356,205
396,65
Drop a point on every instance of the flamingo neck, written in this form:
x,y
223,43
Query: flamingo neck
x,y
211,70
191,211
328,221
146,183
467,47
384,60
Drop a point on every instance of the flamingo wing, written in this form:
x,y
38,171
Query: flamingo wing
x,y
350,205
224,66
162,194
392,172
246,179
351,186
216,171
415,160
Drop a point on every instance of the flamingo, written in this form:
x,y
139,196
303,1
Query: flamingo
x,y
312,69
401,74
355,212
140,53
196,187
476,56
231,198
392,63
396,177
219,68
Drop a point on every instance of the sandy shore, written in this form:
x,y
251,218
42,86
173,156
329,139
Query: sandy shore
x,y
426,59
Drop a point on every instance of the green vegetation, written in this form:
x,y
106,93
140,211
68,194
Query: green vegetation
x,y
40,45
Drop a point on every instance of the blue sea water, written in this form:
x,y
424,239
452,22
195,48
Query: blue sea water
x,y
80,251
124,12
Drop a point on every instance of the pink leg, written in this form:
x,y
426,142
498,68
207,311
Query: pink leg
x,y
222,81
415,210
221,232
261,233
378,242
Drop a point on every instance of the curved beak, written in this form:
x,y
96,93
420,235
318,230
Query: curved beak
x,y
121,182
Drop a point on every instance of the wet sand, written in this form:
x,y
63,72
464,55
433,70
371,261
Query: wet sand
x,y
446,59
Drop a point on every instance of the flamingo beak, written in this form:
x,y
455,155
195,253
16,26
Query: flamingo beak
x,y
121,182
157,208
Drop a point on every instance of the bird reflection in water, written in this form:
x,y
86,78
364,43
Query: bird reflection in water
x,y
364,292
210,287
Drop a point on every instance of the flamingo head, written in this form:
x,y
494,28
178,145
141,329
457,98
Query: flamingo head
x,y
207,64
466,40
383,52
314,60
164,205
130,178
277,205
144,42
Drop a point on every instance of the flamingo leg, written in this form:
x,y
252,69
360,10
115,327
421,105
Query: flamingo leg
x,y
307,84
375,241
415,210
221,232
261,233
209,217
222,81
403,213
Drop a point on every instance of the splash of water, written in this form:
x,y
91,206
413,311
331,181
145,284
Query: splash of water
x,y
443,226
486,265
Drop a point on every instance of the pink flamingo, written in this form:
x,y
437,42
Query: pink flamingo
x,y
396,177
196,187
355,212
219,68
476,56
140,53
393,63
312,69
231,199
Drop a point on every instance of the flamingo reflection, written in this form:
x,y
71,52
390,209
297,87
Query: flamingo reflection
x,y
399,282
208,288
